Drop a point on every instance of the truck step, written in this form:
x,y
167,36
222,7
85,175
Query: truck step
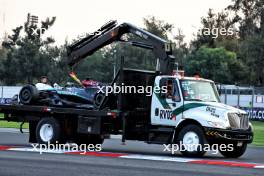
x,y
162,130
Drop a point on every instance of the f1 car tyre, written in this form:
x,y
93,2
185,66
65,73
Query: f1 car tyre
x,y
28,94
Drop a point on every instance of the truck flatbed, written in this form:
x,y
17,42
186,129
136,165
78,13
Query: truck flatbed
x,y
20,111
73,122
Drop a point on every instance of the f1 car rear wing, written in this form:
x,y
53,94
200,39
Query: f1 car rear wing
x,y
111,32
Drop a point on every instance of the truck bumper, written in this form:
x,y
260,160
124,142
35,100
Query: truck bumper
x,y
215,135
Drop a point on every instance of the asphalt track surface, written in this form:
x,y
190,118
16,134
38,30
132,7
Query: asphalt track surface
x,y
23,163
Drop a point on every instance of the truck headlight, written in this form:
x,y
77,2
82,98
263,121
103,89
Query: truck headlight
x,y
218,124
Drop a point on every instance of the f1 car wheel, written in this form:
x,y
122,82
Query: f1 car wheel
x,y
192,140
48,130
238,150
28,94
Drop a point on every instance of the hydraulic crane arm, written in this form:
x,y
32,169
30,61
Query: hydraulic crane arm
x,y
112,32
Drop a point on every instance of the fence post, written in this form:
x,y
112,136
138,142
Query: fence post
x,y
225,96
238,97
2,92
252,101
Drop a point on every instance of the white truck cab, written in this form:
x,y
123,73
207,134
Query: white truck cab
x,y
193,107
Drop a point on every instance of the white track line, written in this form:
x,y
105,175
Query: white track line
x,y
158,158
147,157
36,150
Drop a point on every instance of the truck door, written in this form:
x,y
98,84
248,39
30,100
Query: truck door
x,y
166,106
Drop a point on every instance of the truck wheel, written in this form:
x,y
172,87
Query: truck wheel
x,y
48,130
191,140
236,152
27,94
88,139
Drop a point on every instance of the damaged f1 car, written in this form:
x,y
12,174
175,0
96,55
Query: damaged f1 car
x,y
86,95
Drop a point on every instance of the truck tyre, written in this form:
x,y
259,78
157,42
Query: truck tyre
x,y
49,130
28,94
236,152
191,141
88,139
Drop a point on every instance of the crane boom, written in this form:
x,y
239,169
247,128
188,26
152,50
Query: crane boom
x,y
111,32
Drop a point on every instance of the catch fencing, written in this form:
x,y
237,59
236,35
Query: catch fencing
x,y
248,98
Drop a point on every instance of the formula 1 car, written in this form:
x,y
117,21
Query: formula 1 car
x,y
83,96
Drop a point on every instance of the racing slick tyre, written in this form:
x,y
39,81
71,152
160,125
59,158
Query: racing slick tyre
x,y
238,150
28,94
191,141
49,130
88,139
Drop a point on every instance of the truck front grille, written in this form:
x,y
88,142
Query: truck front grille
x,y
238,121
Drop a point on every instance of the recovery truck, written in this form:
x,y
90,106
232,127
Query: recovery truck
x,y
189,112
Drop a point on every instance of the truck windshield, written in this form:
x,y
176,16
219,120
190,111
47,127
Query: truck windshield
x,y
193,90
